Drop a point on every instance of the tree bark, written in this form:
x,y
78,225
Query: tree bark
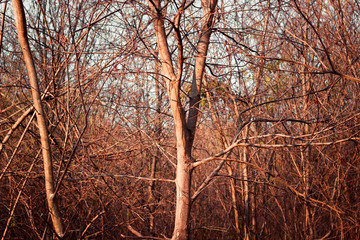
x,y
20,22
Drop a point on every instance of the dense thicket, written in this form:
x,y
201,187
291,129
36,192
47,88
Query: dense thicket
x,y
276,147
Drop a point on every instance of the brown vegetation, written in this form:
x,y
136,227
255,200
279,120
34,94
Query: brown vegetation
x,y
180,119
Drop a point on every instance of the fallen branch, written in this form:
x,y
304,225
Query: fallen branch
x,y
139,235
91,222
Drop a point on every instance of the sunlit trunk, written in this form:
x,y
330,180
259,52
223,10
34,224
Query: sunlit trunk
x,y
45,142
185,128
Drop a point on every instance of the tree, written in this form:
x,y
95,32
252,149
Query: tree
x,y
45,141
185,128
191,119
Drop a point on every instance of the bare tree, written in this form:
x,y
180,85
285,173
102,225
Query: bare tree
x,y
248,130
21,27
185,128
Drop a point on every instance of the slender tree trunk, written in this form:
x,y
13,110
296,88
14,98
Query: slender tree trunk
x,y
229,167
234,201
246,196
305,155
306,151
155,157
151,198
45,143
2,26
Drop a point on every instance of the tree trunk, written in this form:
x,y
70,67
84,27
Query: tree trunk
x,y
45,143
184,129
155,157
183,184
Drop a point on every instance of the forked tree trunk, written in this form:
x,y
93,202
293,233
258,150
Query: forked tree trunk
x,y
45,143
184,128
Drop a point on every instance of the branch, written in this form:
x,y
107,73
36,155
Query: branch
x,y
282,182
317,34
240,144
315,69
91,222
14,126
130,176
139,235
